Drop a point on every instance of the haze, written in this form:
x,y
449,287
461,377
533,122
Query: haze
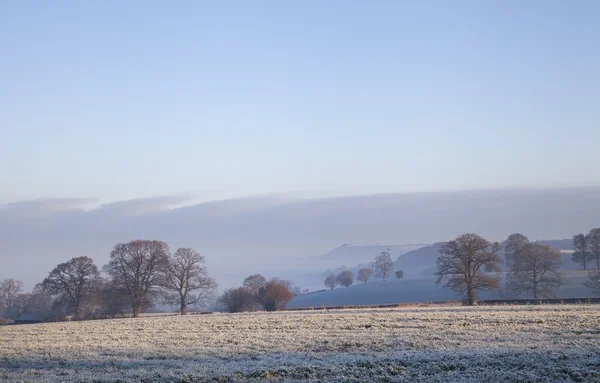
x,y
264,133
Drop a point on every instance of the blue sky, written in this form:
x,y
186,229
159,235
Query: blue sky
x,y
118,100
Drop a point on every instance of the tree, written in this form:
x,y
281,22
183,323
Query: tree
x,y
331,281
74,281
399,274
512,248
581,254
254,283
364,274
593,282
461,262
9,291
593,239
112,300
236,300
138,267
535,271
345,278
384,265
186,281
275,295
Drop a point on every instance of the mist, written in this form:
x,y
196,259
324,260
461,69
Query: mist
x,y
279,236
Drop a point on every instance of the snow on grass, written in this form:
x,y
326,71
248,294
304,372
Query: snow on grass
x,y
511,343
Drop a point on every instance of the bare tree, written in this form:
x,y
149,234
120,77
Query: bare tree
x,y
236,300
9,291
399,274
593,282
275,295
365,274
138,267
512,248
74,280
345,278
254,283
581,254
461,262
384,265
535,271
186,281
331,281
593,238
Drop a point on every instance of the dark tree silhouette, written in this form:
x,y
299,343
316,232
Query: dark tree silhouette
x,y
399,274
186,281
9,291
581,253
138,267
593,239
512,248
236,300
536,271
461,265
74,281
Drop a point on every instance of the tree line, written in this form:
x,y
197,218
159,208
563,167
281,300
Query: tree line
x,y
471,263
138,273
382,267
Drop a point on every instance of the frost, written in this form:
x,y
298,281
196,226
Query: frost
x,y
470,344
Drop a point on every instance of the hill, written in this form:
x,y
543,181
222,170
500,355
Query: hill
x,y
414,290
350,254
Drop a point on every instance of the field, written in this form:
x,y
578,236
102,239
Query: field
x,y
419,289
508,343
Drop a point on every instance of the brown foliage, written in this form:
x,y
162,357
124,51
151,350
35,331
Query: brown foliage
x,y
275,296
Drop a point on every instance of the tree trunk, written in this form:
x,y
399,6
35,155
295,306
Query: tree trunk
x,y
183,309
136,311
470,296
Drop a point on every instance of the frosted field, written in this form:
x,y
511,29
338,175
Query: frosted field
x,y
511,344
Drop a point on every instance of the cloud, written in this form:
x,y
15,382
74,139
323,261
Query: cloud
x,y
43,207
246,235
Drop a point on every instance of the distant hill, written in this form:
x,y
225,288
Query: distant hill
x,y
353,254
415,262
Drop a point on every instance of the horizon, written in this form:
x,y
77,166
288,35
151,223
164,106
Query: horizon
x,y
274,234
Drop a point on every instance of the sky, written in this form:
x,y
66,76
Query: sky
x,y
113,100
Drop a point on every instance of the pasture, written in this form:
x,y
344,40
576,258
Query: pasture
x,y
467,344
